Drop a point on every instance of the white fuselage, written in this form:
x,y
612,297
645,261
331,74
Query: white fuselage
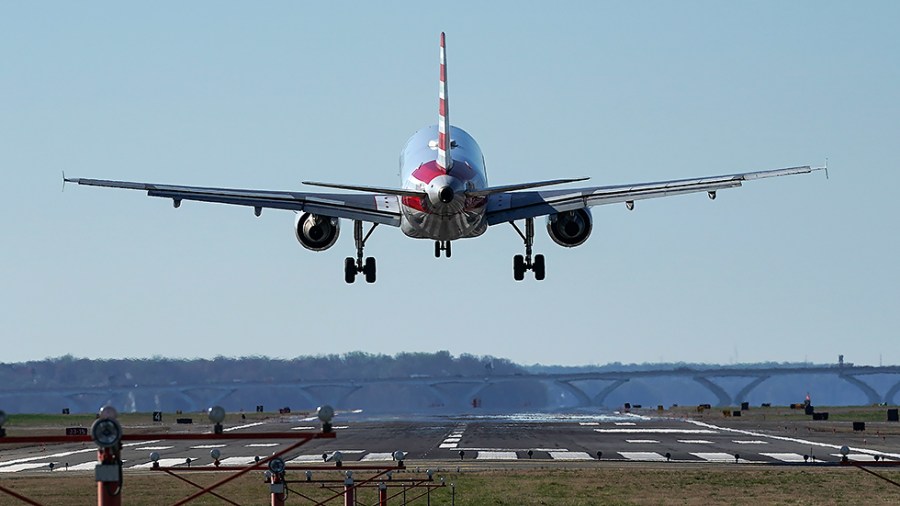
x,y
446,214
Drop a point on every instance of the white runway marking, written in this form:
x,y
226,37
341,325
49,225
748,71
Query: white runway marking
x,y
448,445
452,440
162,463
625,423
52,456
261,445
861,457
570,456
239,461
792,439
307,458
588,423
25,467
695,441
304,427
239,427
749,442
87,466
496,456
784,457
647,441
719,457
207,447
656,431
378,457
652,456
144,448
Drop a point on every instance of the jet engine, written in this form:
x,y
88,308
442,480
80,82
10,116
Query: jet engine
x,y
316,233
570,228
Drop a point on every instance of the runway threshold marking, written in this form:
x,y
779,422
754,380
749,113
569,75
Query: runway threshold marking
x,y
719,457
245,426
645,456
307,458
570,456
151,448
208,447
496,456
162,462
378,457
642,441
785,457
656,431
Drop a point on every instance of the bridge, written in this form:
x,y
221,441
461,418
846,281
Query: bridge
x,y
443,394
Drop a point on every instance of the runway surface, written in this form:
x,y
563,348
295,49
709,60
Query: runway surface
x,y
625,439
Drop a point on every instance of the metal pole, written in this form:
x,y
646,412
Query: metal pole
x,y
404,495
452,495
109,490
277,488
348,492
382,494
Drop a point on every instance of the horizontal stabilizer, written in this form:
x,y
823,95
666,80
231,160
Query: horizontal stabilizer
x,y
522,186
372,189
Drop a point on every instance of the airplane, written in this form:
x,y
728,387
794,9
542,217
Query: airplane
x,y
444,197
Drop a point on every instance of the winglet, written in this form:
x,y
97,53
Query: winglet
x,y
445,159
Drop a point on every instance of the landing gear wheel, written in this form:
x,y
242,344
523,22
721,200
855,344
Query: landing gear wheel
x,y
447,249
349,270
437,249
538,267
518,267
369,270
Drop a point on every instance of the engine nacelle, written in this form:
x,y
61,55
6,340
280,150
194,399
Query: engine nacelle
x,y
317,233
570,228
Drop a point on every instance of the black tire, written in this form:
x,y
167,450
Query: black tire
x,y
538,267
518,267
448,249
369,270
349,270
437,249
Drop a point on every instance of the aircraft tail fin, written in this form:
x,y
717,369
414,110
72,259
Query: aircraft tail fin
x,y
445,159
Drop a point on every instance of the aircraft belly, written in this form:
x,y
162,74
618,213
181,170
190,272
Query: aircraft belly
x,y
423,225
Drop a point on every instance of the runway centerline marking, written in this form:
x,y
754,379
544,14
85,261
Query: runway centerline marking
x,y
749,442
639,441
695,441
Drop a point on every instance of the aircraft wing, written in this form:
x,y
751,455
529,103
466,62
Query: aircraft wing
x,y
511,206
372,207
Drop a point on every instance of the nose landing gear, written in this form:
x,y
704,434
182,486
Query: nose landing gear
x,y
440,246
366,266
526,263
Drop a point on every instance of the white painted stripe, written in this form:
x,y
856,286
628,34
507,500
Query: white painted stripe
x,y
86,466
625,423
570,456
25,467
656,431
651,456
695,441
144,448
749,442
589,423
496,456
792,439
162,463
378,456
261,445
307,458
245,426
718,457
448,445
641,441
785,457
304,427
240,461
514,449
861,457
452,440
139,443
53,456
207,447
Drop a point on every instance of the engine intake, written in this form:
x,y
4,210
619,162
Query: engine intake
x,y
570,228
316,233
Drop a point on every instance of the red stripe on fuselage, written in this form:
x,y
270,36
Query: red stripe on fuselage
x,y
430,170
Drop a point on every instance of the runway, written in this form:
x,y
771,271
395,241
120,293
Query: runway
x,y
495,441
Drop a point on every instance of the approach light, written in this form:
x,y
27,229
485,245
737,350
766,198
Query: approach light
x,y
337,457
325,414
845,450
216,414
214,454
276,465
154,457
106,432
108,412
399,456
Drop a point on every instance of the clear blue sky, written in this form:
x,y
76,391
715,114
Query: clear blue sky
x,y
266,95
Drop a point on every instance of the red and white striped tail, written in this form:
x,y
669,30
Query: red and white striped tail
x,y
444,160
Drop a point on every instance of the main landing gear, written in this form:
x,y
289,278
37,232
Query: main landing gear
x,y
441,246
522,264
352,266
